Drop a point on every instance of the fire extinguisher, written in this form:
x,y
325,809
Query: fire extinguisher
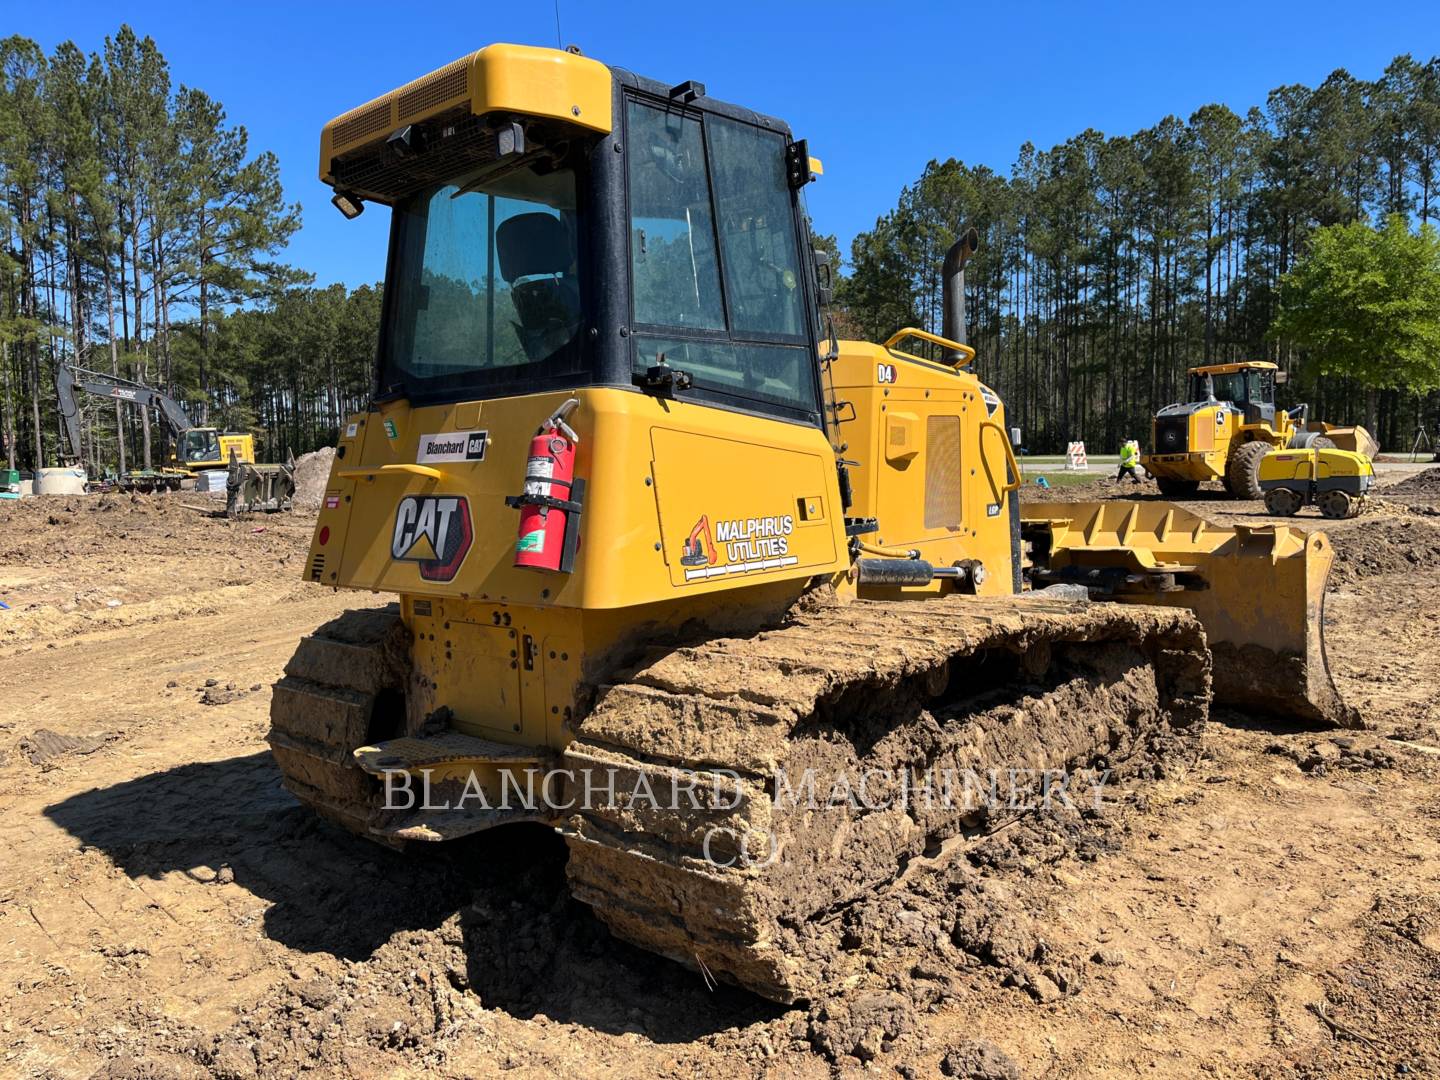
x,y
547,502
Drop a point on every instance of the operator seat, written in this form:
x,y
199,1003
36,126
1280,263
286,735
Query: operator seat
x,y
537,257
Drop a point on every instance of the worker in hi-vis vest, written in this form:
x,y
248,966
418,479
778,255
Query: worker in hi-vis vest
x,y
1129,458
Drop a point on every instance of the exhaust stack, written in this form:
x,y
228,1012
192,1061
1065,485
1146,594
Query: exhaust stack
x,y
953,290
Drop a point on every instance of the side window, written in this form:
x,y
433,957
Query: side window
x,y
672,236
757,230
1262,386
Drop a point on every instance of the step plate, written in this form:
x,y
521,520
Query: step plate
x,y
450,748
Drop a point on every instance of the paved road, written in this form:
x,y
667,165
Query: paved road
x,y
1387,472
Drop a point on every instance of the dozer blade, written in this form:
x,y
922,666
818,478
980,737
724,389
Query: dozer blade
x,y
1259,592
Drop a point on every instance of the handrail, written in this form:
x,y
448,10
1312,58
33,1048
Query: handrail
x,y
1009,456
934,339
418,470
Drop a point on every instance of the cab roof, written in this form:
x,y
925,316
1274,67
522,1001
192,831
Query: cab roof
x,y
545,83
1230,369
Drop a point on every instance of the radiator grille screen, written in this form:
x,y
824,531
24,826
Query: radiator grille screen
x,y
453,142
942,472
1170,434
367,122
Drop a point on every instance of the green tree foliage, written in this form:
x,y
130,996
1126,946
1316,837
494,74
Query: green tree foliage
x,y
1110,264
133,216
293,368
1365,304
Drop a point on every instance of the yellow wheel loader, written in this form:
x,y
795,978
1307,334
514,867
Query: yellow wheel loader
x,y
672,564
1228,425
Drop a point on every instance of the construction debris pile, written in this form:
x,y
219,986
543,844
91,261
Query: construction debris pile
x,y
312,471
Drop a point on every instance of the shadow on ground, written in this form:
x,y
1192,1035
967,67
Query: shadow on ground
x,y
530,949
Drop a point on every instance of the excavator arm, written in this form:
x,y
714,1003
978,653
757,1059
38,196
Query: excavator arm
x,y
69,409
113,386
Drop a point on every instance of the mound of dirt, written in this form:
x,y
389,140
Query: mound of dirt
x,y
312,473
1100,487
1385,546
44,745
73,564
1424,485
519,948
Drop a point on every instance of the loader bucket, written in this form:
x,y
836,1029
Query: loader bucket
x,y
1356,439
1258,590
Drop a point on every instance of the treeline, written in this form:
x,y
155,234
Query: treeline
x,y
298,365
1110,264
133,217
140,235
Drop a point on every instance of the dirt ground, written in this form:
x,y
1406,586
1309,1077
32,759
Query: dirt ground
x,y
167,909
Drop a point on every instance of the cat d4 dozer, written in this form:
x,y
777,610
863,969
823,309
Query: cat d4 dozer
x,y
670,559
1228,426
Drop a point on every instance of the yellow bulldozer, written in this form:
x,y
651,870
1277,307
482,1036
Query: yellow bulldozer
x,y
670,559
1229,424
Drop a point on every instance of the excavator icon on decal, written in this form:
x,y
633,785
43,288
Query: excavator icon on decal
x,y
700,545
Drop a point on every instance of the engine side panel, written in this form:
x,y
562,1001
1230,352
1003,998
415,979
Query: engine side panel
x,y
930,442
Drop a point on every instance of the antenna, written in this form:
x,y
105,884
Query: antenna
x,y
558,45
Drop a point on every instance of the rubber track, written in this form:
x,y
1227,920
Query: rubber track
x,y
902,687
324,707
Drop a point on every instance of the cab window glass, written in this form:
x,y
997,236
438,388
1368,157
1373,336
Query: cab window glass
x,y
484,284
763,373
757,230
1230,387
1262,386
673,262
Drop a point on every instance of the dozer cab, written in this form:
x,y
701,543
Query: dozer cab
x,y
1229,424
672,563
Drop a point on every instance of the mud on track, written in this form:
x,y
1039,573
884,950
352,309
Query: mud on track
x,y
167,909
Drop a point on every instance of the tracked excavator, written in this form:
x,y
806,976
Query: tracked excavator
x,y
654,532
248,486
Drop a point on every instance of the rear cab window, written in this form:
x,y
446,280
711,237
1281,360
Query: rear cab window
x,y
714,258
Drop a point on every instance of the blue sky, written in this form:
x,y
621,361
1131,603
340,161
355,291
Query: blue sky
x,y
878,89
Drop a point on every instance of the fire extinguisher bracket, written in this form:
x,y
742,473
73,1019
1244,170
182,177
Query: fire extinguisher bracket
x,y
572,527
573,507
570,506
